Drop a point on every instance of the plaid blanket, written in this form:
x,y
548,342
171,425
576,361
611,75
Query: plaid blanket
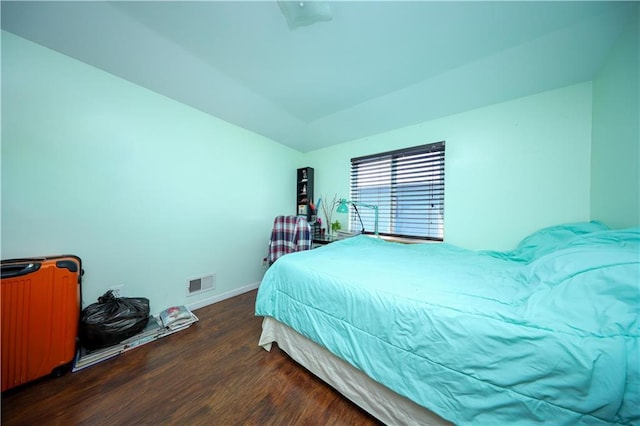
x,y
289,234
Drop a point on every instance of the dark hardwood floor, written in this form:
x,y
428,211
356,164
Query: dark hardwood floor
x,y
212,373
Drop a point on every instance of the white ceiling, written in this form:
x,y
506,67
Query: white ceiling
x,y
376,66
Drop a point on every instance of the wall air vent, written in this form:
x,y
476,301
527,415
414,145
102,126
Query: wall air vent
x,y
201,284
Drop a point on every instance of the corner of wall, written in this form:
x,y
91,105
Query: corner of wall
x,y
615,144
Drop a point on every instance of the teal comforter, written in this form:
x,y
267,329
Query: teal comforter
x,y
545,333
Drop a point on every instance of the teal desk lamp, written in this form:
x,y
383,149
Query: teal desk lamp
x,y
343,208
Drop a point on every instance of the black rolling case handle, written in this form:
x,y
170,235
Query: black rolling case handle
x,y
17,270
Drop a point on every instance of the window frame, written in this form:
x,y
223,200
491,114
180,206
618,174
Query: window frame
x,y
422,168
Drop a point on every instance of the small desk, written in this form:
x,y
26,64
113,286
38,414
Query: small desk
x,y
323,240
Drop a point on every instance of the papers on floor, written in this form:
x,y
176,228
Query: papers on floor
x,y
171,320
177,317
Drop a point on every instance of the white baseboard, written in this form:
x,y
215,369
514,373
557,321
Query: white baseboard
x,y
220,297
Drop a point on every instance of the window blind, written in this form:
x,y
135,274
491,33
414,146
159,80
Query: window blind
x,y
407,185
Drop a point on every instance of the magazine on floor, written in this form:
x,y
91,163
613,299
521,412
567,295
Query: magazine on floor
x,y
85,357
177,318
169,321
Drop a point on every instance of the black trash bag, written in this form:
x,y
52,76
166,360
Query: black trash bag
x,y
112,320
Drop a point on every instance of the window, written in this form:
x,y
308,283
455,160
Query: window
x,y
407,185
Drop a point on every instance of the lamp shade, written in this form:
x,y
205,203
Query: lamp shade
x,y
342,207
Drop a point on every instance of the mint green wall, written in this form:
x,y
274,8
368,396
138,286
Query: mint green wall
x,y
150,192
615,179
511,168
147,191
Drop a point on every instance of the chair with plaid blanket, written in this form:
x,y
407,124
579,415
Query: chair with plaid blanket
x,y
289,234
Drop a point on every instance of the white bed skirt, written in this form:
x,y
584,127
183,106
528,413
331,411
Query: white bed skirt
x,y
378,400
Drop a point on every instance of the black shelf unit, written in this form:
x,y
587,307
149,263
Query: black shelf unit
x,y
304,193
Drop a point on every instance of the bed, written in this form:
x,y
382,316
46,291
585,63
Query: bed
x,y
434,333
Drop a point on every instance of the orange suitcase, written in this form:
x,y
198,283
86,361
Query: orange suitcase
x,y
40,316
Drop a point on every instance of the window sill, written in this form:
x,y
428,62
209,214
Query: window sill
x,y
404,240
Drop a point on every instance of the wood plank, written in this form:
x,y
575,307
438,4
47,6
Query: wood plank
x,y
212,373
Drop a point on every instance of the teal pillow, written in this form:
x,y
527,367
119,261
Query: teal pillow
x,y
550,239
597,252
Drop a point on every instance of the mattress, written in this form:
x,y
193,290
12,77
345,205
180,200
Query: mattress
x,y
371,396
477,337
